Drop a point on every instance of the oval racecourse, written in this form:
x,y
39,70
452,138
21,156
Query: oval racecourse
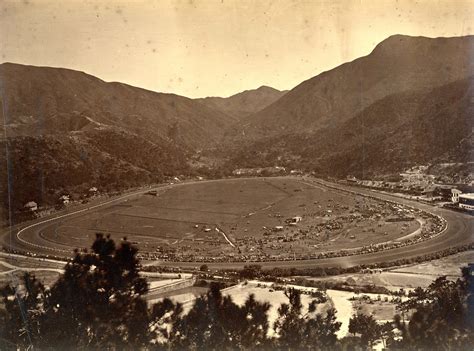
x,y
280,222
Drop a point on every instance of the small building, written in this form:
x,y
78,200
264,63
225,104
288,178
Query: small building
x,y
444,192
439,192
351,179
431,193
247,171
296,172
293,220
466,201
455,195
31,206
65,199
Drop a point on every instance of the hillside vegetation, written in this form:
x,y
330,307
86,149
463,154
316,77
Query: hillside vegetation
x,y
394,133
409,102
65,131
41,169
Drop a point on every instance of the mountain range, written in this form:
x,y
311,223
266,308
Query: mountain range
x,y
44,101
410,101
399,63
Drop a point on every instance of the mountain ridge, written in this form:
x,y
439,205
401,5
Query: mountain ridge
x,y
337,94
399,131
45,100
409,101
242,104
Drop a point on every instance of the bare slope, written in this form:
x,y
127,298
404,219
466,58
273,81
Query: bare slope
x,y
399,63
43,101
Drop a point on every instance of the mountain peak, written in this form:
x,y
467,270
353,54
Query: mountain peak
x,y
244,103
266,87
401,43
397,64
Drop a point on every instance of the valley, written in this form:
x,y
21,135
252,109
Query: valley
x,y
237,175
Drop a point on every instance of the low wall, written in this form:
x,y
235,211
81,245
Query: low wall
x,y
182,283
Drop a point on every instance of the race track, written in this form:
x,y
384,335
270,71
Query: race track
x,y
458,232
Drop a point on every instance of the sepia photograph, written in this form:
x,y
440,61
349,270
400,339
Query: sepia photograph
x,y
237,175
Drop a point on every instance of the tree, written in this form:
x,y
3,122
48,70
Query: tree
x,y
441,316
20,321
215,322
310,331
367,327
251,271
163,314
98,301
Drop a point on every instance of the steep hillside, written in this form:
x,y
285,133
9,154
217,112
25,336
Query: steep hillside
x,y
394,133
245,103
397,64
66,131
47,101
43,168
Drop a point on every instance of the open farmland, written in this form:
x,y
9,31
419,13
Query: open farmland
x,y
241,219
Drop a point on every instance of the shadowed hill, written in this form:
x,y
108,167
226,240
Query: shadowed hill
x,y
396,132
40,101
41,169
67,131
408,102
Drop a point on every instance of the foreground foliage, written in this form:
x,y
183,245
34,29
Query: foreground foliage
x,y
443,316
99,304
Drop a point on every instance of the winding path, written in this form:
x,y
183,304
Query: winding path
x,y
225,237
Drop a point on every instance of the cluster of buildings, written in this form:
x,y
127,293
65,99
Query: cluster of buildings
x,y
461,196
63,200
259,171
267,171
422,187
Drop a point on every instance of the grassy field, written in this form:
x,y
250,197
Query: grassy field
x,y
389,279
449,266
408,277
382,311
30,262
182,222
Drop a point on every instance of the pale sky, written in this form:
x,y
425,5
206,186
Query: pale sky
x,y
214,48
